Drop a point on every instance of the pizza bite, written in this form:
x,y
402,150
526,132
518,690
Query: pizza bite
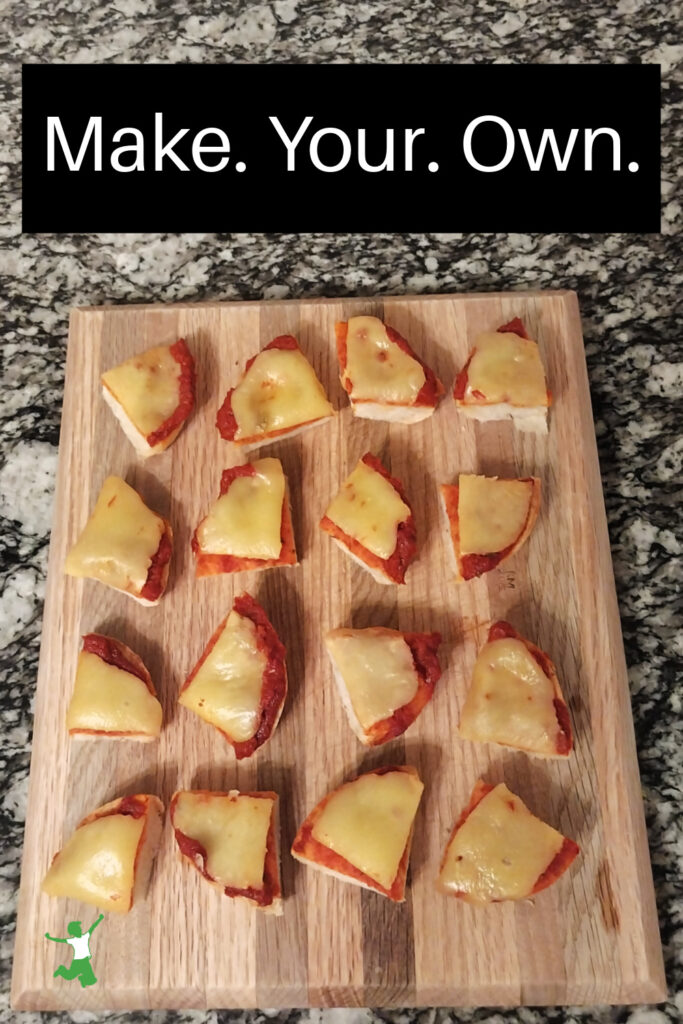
x,y
384,378
489,520
384,678
124,544
113,695
232,839
108,859
362,831
515,698
279,395
239,684
152,395
499,850
249,526
372,522
504,378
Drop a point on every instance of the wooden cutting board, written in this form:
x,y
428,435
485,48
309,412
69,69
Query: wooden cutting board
x,y
591,938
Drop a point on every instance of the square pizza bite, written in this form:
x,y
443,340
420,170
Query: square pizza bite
x,y
499,851
489,520
279,395
107,861
249,526
385,678
504,378
384,378
515,698
113,695
362,831
152,395
124,544
232,839
371,520
239,684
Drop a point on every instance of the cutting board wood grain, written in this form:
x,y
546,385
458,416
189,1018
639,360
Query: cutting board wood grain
x,y
591,938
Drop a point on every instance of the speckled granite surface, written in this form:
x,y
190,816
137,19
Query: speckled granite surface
x,y
629,288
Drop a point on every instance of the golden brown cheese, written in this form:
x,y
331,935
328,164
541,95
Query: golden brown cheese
x,y
379,370
109,699
506,368
246,521
233,830
369,821
278,392
226,690
377,668
492,513
369,509
500,851
510,700
119,540
147,387
97,863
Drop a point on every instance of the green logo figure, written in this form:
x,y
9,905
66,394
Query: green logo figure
x,y
81,967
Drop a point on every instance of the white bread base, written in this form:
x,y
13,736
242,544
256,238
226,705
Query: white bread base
x,y
250,446
139,737
348,706
532,419
377,574
137,439
151,837
391,413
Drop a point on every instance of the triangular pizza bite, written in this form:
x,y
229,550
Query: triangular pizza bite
x,y
232,839
113,695
249,526
504,378
362,831
124,544
515,698
384,678
239,684
107,861
152,395
279,395
499,850
371,520
489,519
384,378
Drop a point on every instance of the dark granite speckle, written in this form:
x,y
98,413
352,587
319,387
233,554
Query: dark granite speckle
x,y
629,288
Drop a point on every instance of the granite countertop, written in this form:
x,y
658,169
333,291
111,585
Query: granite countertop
x,y
628,287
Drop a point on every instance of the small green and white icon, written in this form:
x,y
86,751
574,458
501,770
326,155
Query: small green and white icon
x,y
79,941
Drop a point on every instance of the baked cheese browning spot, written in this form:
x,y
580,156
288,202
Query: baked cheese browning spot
x,y
239,685
154,391
111,700
278,393
504,366
102,862
362,831
386,677
124,544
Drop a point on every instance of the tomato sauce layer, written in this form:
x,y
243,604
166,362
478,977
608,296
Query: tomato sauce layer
x,y
154,584
113,652
186,388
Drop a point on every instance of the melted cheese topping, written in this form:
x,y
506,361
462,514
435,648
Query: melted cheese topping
x,y
500,852
109,699
226,691
232,829
119,540
378,369
369,509
368,822
147,386
511,700
279,391
246,521
506,368
377,668
97,864
491,513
